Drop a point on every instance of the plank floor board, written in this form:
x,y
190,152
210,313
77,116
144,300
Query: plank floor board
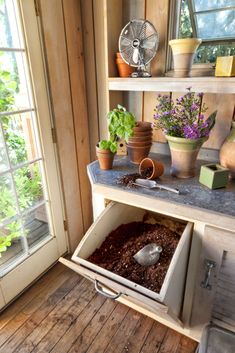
x,y
61,313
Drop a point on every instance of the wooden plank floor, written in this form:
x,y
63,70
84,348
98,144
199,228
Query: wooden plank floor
x,y
62,313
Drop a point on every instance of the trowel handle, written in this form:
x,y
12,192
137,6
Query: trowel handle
x,y
164,187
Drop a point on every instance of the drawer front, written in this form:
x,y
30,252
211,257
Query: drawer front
x,y
117,291
115,214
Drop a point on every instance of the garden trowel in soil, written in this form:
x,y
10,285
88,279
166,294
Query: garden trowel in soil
x,y
148,255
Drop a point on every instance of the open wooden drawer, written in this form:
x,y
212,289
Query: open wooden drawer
x,y
169,300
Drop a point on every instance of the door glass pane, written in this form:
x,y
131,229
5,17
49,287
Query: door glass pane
x,y
28,182
3,154
203,5
15,94
20,138
220,24
11,243
36,225
10,35
8,206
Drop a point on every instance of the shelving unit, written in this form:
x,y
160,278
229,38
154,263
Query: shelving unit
x,y
165,84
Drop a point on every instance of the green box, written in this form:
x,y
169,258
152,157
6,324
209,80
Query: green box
x,y
214,176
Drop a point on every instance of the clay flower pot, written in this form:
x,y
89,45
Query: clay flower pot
x,y
140,138
151,168
105,158
143,126
140,144
227,152
183,155
136,154
124,70
183,55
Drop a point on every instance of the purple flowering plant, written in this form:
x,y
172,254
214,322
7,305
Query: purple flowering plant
x,y
184,117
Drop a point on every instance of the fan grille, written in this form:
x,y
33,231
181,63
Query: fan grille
x,y
138,42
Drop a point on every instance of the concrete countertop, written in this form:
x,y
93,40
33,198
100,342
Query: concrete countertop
x,y
193,194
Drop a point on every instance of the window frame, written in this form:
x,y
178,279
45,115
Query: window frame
x,y
200,69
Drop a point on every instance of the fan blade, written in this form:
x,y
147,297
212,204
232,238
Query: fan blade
x,y
150,42
135,56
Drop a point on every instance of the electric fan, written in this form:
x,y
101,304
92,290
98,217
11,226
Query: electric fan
x,y
138,43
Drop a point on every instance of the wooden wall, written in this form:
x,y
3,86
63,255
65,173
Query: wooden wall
x,y
63,44
115,15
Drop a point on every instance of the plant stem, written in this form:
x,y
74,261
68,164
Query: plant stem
x,y
200,108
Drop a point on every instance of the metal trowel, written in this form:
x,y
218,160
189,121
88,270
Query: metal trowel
x,y
151,184
148,255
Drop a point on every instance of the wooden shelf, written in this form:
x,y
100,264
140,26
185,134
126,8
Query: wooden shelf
x,y
173,84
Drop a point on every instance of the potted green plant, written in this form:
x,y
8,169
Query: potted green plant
x,y
185,127
120,125
105,151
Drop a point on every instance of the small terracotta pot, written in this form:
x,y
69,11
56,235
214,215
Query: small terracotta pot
x,y
124,70
140,144
136,154
105,158
142,126
142,133
140,139
157,167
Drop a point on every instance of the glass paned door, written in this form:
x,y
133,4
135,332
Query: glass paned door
x,y
28,219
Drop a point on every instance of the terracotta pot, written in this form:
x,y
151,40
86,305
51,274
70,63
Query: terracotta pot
x,y
140,144
136,154
183,155
183,55
227,152
124,70
142,133
105,158
142,126
156,166
140,139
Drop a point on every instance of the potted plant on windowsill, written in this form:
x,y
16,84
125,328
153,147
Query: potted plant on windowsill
x,y
185,127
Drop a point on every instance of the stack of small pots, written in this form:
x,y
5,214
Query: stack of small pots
x,y
139,144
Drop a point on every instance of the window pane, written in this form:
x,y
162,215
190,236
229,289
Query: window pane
x,y
8,204
3,154
216,24
202,5
209,53
14,93
28,183
10,37
19,136
11,243
36,225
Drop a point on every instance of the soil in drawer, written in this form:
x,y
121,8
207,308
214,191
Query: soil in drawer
x,y
117,251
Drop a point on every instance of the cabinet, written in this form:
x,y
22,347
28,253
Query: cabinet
x,y
214,294
213,238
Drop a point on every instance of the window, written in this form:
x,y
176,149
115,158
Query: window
x,y
213,21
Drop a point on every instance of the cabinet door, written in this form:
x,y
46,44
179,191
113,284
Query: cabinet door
x,y
215,286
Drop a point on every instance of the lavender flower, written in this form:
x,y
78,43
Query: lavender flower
x,y
183,118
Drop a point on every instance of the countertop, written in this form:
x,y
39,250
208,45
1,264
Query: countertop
x,y
193,195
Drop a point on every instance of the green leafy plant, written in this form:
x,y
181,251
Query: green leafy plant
x,y
121,123
108,145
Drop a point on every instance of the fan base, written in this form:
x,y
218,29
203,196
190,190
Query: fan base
x,y
141,72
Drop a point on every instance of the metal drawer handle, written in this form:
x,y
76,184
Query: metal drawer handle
x,y
209,264
107,295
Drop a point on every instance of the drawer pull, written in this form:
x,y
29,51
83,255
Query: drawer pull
x,y
105,294
209,264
